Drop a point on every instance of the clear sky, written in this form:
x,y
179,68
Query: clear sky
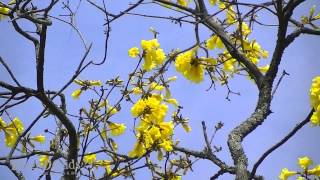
x,y
64,50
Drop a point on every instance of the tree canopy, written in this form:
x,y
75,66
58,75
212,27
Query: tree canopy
x,y
159,89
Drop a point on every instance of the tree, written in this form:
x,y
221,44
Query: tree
x,y
138,109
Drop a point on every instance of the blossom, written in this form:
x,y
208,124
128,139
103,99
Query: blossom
x,y
3,12
76,94
133,52
136,90
213,42
190,66
152,131
156,86
40,138
153,54
12,131
172,101
245,29
172,78
183,3
44,160
103,163
315,171
117,129
166,145
186,127
149,108
304,162
89,159
264,69
285,173
138,150
212,2
315,101
85,85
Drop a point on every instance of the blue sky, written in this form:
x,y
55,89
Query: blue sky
x,y
64,50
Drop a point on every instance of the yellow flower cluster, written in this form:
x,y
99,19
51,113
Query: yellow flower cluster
x,y
152,131
152,53
253,51
190,66
315,100
12,130
133,52
304,163
85,84
231,14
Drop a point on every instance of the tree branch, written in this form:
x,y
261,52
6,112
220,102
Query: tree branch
x,y
280,143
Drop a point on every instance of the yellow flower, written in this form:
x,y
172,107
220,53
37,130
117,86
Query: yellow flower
x,y
213,42
102,163
265,68
304,162
76,94
173,78
150,108
156,86
40,138
166,145
315,171
89,159
186,127
10,139
172,101
285,173
95,83
88,82
117,129
136,90
153,54
138,150
315,92
15,127
79,82
183,3
231,15
3,12
133,52
112,110
12,131
245,29
2,124
44,160
190,66
212,2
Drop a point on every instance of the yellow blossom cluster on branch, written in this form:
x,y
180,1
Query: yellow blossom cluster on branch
x,y
85,84
11,130
190,66
152,53
312,17
153,132
304,162
315,100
